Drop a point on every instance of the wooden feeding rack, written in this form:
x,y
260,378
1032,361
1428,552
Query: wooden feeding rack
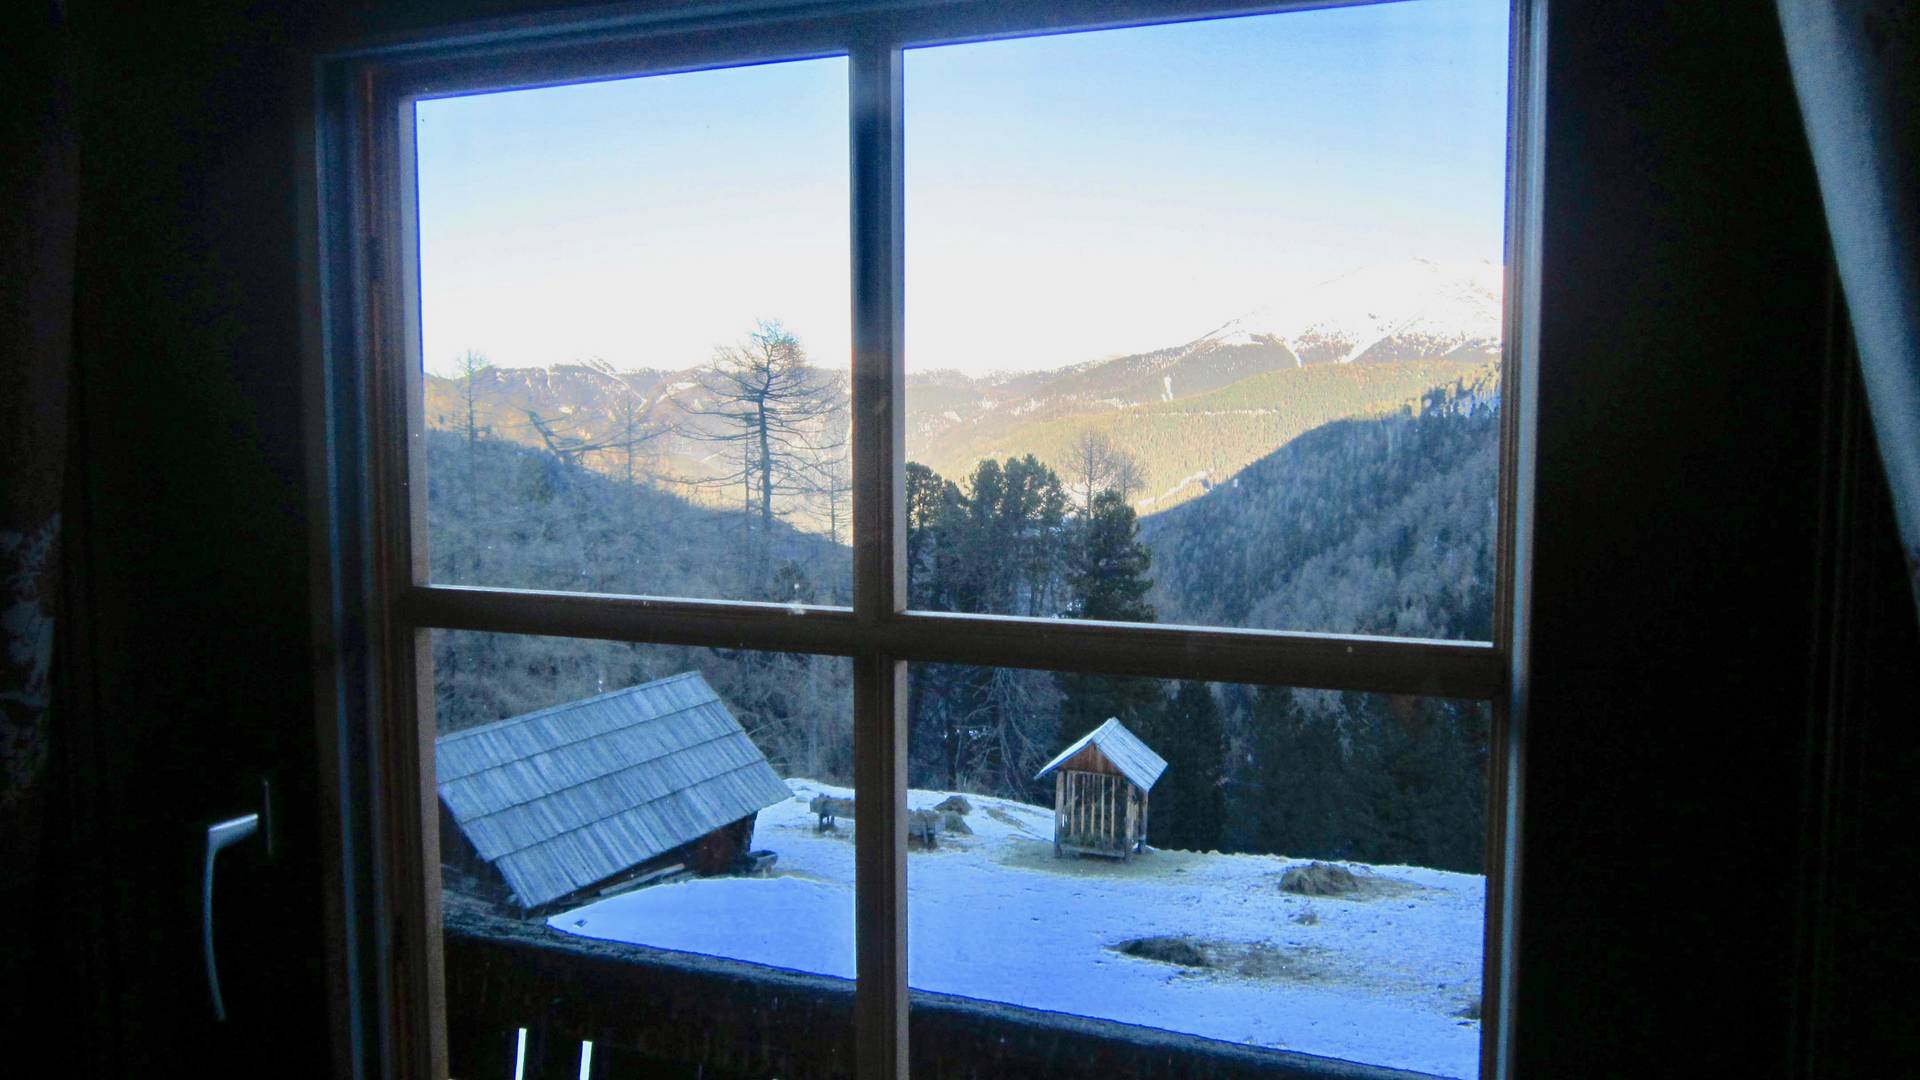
x,y
1100,791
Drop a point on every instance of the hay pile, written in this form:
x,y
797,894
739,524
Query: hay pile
x,y
1319,879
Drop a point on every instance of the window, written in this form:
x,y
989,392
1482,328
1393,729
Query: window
x,y
720,520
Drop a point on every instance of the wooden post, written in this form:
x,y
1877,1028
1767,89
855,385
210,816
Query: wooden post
x,y
1059,804
1106,810
1112,819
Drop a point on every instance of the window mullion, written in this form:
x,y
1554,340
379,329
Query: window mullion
x,y
879,563
410,845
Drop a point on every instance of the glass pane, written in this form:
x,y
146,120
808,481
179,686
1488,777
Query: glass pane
x,y
1204,321
651,794
634,326
1294,870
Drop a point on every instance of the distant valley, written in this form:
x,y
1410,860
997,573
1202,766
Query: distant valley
x,y
1364,344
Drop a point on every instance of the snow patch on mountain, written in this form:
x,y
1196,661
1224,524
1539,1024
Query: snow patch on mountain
x,y
1411,309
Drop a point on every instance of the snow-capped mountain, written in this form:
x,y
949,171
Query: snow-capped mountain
x,y
1409,310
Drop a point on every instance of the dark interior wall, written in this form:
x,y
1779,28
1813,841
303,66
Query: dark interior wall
x,y
191,660
1683,324
1697,486
1676,550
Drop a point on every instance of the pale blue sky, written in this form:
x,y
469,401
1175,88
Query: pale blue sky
x,y
1068,197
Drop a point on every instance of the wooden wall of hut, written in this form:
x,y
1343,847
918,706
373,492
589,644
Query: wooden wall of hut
x,y
722,850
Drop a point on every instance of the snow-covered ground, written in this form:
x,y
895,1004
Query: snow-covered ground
x,y
1379,978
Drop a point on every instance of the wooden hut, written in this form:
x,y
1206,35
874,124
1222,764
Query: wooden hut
x,y
568,802
1100,791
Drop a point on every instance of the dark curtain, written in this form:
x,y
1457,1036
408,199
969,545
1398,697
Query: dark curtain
x,y
1856,69
38,199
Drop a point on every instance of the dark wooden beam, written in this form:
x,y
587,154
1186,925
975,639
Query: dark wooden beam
x,y
879,559
714,623
1458,669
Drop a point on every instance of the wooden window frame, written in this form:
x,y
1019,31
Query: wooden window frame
x,y
377,605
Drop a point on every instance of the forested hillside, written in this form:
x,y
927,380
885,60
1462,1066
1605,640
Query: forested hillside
x,y
503,514
1196,438
1370,525
1367,526
1373,526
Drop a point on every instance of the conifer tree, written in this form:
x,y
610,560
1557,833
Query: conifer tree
x,y
1297,791
1188,804
993,547
934,513
1107,579
1110,564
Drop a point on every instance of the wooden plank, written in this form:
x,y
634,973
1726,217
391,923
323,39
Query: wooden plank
x,y
519,52
879,561
1059,806
1512,595
1112,807
675,621
917,24
1077,826
1079,808
880,867
1457,669
1145,821
879,365
410,852
351,605
1102,809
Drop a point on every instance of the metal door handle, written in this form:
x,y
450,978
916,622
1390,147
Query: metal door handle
x,y
219,836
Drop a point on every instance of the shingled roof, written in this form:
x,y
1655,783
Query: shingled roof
x,y
1135,759
565,797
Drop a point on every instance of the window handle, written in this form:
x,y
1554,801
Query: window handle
x,y
219,836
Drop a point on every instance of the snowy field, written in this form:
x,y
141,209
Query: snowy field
x,y
1380,977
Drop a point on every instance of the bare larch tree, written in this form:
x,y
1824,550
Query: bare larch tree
x,y
1094,464
776,412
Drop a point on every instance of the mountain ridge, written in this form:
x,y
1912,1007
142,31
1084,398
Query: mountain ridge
x,y
1427,321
